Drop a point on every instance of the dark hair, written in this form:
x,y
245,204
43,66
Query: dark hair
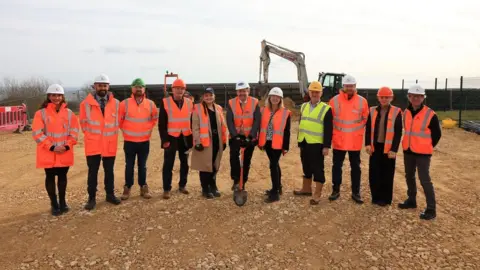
x,y
47,100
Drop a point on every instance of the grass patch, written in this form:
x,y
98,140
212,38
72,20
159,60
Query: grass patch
x,y
466,115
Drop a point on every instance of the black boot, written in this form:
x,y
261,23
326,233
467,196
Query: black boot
x,y
207,193
428,214
111,198
408,204
214,188
91,203
335,194
357,198
272,197
64,207
55,208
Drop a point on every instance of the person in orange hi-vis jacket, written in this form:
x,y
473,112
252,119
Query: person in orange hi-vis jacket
x,y
55,130
100,125
350,113
138,117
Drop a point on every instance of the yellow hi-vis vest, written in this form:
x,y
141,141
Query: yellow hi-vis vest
x,y
311,123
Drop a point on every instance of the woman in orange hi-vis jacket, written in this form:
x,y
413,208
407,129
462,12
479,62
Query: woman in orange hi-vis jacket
x,y
55,130
274,138
210,138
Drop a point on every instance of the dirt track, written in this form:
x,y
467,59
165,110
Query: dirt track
x,y
189,232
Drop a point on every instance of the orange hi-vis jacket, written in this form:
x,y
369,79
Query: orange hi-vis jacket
x,y
50,129
390,131
205,133
179,120
279,121
100,130
243,119
137,120
417,135
349,119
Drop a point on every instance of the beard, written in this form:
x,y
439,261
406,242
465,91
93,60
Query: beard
x,y
101,93
138,93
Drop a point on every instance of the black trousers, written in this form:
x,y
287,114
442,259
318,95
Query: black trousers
x,y
381,172
356,172
176,145
208,180
61,173
133,150
235,161
275,171
93,163
312,161
422,163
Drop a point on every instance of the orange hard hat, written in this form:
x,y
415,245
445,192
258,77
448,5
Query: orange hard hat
x,y
179,83
385,92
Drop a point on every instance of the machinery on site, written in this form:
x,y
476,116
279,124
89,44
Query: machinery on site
x,y
168,75
332,81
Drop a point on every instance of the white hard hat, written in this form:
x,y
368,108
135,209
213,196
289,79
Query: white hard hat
x,y
276,91
416,89
241,85
102,78
55,89
348,79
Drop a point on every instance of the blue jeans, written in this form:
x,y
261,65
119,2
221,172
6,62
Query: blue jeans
x,y
134,150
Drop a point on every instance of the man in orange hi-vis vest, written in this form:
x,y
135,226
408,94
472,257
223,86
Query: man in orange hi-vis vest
x,y
175,131
243,122
138,117
350,113
100,125
422,134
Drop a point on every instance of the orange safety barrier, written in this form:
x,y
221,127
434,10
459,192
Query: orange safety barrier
x,y
13,118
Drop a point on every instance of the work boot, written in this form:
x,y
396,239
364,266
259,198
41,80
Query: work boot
x,y
183,190
126,193
144,192
111,198
55,208
64,207
317,195
272,197
428,214
208,194
166,195
335,194
357,198
408,204
306,188
90,204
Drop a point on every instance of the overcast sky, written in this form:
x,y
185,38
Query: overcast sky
x,y
378,42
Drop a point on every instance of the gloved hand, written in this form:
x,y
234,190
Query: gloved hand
x,y
166,145
224,146
199,147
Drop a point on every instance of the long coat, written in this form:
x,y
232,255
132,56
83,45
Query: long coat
x,y
202,160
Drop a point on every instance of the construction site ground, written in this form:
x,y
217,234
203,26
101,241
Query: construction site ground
x,y
190,232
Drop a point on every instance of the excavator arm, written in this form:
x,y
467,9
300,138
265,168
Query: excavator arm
x,y
297,58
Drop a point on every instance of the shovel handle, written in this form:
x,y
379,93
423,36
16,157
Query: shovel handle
x,y
242,150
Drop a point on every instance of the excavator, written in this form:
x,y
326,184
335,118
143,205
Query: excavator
x,y
330,81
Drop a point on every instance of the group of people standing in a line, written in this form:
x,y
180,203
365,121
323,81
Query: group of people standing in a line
x,y
345,124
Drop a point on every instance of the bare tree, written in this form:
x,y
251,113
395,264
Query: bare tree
x,y
11,89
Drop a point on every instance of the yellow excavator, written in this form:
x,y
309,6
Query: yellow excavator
x,y
331,82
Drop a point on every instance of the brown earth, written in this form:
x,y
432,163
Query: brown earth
x,y
189,232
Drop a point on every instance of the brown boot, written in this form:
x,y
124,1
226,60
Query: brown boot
x,y
166,195
318,193
126,193
183,190
144,192
306,188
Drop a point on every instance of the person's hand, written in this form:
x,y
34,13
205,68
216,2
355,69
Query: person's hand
x,y
392,155
368,149
284,152
166,145
325,151
59,149
199,147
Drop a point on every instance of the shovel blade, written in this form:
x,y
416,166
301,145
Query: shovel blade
x,y
240,197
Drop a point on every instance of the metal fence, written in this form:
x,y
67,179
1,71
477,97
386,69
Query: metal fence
x,y
469,111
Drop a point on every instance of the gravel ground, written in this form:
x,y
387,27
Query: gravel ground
x,y
189,232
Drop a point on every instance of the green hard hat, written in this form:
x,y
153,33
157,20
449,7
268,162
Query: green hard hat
x,y
138,82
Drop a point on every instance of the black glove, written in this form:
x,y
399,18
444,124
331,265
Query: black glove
x,y
224,146
250,141
199,147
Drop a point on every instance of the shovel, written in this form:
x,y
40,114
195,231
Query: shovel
x,y
240,195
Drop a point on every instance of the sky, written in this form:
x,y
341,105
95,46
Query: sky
x,y
378,42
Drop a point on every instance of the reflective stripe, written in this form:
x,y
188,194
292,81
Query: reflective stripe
x,y
204,136
424,123
241,116
336,104
422,133
35,133
56,135
283,123
41,139
176,129
111,125
110,133
418,134
203,124
310,132
138,120
388,141
44,118
87,112
137,134
94,131
347,129
74,129
348,122
318,120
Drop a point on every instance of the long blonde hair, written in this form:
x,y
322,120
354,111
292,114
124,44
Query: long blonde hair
x,y
268,104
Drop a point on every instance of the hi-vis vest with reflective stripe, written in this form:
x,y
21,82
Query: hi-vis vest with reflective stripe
x,y
178,120
204,121
49,129
243,119
311,123
349,119
389,132
279,121
418,136
138,119
100,130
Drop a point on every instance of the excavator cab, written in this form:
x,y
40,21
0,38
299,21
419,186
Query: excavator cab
x,y
331,82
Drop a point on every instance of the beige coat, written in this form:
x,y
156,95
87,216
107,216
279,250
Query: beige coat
x,y
202,161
